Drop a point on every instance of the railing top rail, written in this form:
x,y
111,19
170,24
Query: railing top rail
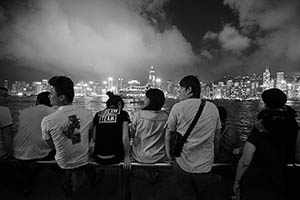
x,y
161,164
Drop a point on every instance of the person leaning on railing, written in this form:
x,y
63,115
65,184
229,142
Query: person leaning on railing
x,y
261,171
110,133
271,145
148,129
193,168
148,133
67,130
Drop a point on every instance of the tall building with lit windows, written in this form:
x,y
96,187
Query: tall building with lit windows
x,y
151,79
119,84
110,84
266,78
280,82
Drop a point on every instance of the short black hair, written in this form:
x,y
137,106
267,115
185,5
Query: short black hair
x,y
63,86
43,98
194,83
157,99
274,98
114,100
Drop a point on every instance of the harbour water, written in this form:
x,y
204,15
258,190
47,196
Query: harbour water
x,y
241,114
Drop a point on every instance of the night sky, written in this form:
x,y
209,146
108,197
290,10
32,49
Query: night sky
x,y
95,39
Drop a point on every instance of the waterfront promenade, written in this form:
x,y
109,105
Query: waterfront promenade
x,y
48,181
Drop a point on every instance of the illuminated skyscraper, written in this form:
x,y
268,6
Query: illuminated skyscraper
x,y
280,82
110,83
151,80
266,78
119,84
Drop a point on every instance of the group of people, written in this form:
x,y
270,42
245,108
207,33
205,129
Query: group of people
x,y
73,136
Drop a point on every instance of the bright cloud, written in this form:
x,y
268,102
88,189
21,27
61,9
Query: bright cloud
x,y
231,39
97,37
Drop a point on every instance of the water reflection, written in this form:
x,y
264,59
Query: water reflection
x,y
240,113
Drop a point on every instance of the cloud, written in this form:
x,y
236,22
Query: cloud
x,y
232,40
107,37
270,36
210,35
267,14
205,53
229,38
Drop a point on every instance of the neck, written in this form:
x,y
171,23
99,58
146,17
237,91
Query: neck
x,y
65,103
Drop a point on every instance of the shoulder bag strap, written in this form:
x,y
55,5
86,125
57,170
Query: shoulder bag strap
x,y
187,133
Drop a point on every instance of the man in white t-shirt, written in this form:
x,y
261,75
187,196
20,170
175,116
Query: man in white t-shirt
x,y
6,123
192,169
67,128
28,143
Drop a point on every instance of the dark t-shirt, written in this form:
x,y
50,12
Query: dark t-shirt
x,y
109,129
287,132
290,132
265,177
268,154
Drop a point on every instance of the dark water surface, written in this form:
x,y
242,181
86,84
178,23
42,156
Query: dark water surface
x,y
241,114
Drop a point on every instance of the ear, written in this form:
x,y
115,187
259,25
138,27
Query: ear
x,y
62,98
189,90
259,125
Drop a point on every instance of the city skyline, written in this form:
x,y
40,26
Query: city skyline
x,y
236,87
147,76
88,40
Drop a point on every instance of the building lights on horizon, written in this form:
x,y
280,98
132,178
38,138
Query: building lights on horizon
x,y
232,87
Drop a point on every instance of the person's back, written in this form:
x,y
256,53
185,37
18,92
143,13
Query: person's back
x,y
148,129
274,98
108,140
110,132
192,169
262,168
69,129
198,152
28,143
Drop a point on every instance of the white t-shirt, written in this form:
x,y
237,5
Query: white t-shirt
x,y
5,121
197,155
28,142
69,129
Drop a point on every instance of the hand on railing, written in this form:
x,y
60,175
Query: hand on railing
x,y
236,190
127,163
